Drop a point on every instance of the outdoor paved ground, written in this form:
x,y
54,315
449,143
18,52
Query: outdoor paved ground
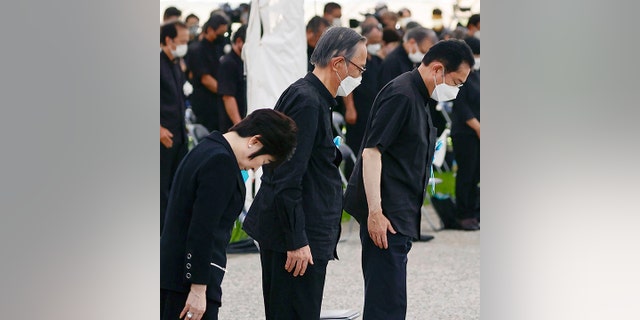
x,y
443,278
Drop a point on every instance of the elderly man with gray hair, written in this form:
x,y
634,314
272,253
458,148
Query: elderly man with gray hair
x,y
295,217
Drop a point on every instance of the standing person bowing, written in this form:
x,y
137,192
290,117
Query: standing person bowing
x,y
387,188
295,217
206,197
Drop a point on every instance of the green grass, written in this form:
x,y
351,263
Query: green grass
x,y
447,186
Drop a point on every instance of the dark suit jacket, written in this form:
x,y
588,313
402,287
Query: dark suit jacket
x,y
300,202
206,197
172,99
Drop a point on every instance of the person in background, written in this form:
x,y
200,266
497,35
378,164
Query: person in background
x,y
416,42
173,133
465,135
438,24
193,23
295,216
232,84
387,188
203,63
389,19
171,14
205,200
404,16
473,26
359,102
333,13
315,28
390,41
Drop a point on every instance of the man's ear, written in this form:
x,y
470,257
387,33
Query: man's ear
x,y
335,62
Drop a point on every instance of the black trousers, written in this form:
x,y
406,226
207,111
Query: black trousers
x,y
172,303
169,160
385,276
467,150
289,297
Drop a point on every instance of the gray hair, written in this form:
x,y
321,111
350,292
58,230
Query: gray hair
x,y
336,41
419,34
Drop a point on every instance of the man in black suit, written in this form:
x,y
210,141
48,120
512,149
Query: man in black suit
x,y
295,217
205,200
173,133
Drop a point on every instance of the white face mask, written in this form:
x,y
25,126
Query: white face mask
x,y
404,21
477,34
180,51
476,65
437,23
337,22
347,84
416,56
444,92
372,49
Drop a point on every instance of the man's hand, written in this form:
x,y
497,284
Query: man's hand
x,y
298,260
378,225
165,137
196,303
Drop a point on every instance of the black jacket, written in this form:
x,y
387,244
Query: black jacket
x,y
300,202
206,197
172,98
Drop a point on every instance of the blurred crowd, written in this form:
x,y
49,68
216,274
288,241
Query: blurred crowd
x,y
203,76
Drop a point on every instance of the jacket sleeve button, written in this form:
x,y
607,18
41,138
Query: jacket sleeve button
x,y
188,265
188,275
188,255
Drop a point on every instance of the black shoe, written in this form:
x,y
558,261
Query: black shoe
x,y
470,224
425,237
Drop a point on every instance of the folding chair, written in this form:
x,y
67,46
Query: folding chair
x,y
195,131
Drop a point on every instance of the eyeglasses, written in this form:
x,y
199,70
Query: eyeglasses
x,y
361,69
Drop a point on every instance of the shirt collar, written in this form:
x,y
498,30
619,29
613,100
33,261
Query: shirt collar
x,y
313,79
163,55
417,81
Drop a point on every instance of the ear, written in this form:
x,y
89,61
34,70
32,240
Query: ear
x,y
437,67
336,63
255,140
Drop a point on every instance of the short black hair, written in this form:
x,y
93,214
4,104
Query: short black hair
x,y
170,30
437,11
191,15
241,33
215,21
390,35
171,12
316,22
474,20
277,133
474,44
330,6
451,53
